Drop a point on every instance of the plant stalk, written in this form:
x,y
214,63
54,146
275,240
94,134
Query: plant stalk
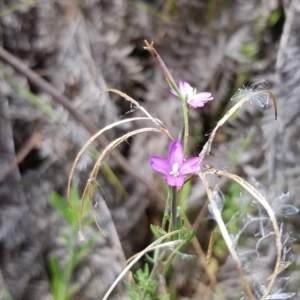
x,y
186,126
174,197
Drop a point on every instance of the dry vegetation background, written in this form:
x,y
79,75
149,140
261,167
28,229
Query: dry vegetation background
x,y
81,47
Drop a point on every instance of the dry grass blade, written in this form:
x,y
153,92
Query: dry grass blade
x,y
210,247
207,147
89,188
268,208
151,247
91,140
274,103
225,234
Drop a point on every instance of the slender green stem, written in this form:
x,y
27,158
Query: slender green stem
x,y
174,87
186,126
174,208
167,209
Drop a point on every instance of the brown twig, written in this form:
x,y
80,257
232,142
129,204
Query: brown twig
x,y
161,63
40,83
210,247
32,143
200,216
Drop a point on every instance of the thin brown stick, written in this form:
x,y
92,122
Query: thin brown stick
x,y
200,216
210,247
40,83
161,63
32,143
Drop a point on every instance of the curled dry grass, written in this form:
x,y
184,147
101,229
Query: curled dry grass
x,y
91,183
255,193
207,147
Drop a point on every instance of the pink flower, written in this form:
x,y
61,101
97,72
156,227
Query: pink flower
x,y
175,167
194,100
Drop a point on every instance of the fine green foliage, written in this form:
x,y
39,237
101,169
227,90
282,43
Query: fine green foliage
x,y
143,286
61,275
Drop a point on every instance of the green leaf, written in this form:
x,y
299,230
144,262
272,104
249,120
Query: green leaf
x,y
149,259
250,49
274,18
67,213
29,96
58,283
60,278
68,269
74,198
36,101
157,231
72,291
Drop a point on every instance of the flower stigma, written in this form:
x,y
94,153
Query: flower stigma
x,y
174,171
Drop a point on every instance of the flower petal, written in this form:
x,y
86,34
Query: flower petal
x,y
190,166
205,96
173,92
175,154
185,89
200,99
181,86
175,181
195,104
160,165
